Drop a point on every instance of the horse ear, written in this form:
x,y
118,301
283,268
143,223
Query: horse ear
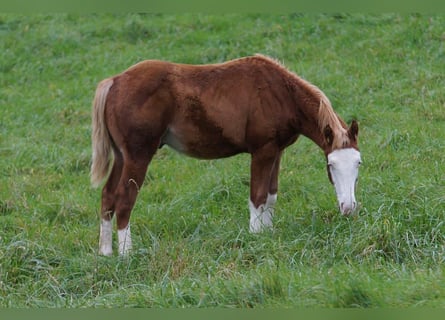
x,y
328,135
353,130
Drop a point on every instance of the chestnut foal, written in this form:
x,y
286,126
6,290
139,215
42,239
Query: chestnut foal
x,y
251,104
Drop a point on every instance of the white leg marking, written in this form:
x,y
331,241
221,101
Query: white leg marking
x,y
124,237
271,200
105,238
260,218
255,218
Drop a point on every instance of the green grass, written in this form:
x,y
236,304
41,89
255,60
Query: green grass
x,y
190,223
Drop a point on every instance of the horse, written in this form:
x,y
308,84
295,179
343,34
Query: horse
x,y
249,105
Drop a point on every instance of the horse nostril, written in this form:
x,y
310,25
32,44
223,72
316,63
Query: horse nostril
x,y
345,210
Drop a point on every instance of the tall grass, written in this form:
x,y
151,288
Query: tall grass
x,y
190,223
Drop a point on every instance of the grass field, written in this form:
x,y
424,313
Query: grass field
x,y
190,223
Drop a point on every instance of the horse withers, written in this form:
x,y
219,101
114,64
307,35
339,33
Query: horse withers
x,y
252,104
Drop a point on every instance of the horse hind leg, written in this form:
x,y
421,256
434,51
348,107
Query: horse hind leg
x,y
132,178
108,206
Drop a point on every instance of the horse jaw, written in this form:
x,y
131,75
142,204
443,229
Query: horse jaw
x,y
343,167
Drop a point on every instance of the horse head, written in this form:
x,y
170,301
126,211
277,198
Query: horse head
x,y
342,166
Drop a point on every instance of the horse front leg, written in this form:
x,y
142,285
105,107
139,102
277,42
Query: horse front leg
x,y
273,185
263,176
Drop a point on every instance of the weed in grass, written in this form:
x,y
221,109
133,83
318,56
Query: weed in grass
x,y
354,296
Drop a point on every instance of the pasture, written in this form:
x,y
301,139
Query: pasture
x,y
190,223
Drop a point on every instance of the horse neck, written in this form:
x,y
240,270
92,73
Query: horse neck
x,y
309,101
311,130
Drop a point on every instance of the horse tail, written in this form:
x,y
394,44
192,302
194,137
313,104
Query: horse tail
x,y
101,140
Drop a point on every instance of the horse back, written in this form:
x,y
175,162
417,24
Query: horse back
x,y
207,111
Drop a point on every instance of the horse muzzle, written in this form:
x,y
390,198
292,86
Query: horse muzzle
x,y
347,208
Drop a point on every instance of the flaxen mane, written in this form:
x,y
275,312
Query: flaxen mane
x,y
326,114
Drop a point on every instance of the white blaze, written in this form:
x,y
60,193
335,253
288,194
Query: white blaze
x,y
343,166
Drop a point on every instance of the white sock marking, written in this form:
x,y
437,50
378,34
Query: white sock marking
x,y
105,238
271,200
261,217
124,237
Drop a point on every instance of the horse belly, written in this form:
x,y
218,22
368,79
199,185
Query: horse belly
x,y
195,144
